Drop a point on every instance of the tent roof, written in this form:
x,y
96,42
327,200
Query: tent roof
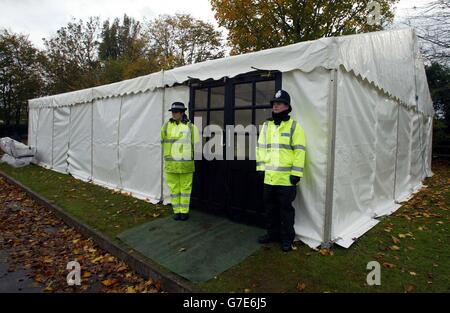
x,y
390,60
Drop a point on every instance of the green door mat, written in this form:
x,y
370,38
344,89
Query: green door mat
x,y
197,249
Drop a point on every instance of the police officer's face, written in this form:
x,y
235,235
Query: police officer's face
x,y
278,107
177,115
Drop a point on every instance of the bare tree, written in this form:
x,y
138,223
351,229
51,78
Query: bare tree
x,y
432,24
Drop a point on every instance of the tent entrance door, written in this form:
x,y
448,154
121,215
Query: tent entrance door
x,y
228,185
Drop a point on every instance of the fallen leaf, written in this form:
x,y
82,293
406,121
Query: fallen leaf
x,y
86,274
97,259
182,250
394,248
301,287
48,259
395,239
409,288
122,269
39,278
388,265
109,282
413,273
325,252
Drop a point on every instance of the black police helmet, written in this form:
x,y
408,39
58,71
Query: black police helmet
x,y
282,96
178,107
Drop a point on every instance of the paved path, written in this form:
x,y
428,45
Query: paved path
x,y
16,281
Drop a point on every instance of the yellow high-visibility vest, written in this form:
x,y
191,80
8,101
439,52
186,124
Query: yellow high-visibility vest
x,y
280,152
177,140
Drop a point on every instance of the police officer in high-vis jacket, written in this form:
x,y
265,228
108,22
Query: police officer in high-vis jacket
x,y
178,137
280,158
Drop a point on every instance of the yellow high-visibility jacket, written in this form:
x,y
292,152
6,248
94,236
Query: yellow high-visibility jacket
x,y
177,140
280,152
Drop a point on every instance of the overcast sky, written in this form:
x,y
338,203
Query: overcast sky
x,y
41,18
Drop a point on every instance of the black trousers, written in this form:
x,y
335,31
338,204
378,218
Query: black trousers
x,y
281,213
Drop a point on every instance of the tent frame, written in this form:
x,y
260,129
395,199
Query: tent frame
x,y
332,108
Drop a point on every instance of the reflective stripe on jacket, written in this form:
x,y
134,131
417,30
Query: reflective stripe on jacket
x,y
177,140
280,152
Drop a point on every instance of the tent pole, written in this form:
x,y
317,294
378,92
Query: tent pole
x,y
162,152
29,124
70,136
36,138
332,105
416,58
118,143
396,152
92,139
420,123
53,133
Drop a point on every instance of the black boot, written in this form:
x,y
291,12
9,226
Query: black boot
x,y
286,245
176,216
184,216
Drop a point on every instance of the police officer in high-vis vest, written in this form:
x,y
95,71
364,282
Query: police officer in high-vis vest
x,y
178,137
280,158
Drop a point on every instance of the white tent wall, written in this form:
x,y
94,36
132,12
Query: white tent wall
x,y
33,120
427,135
417,159
414,143
403,182
378,156
79,156
385,154
309,92
106,115
139,145
44,137
105,140
60,138
355,158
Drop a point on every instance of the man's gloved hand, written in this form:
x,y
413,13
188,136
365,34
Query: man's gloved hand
x,y
260,175
294,179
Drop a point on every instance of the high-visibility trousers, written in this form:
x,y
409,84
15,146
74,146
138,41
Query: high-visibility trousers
x,y
180,185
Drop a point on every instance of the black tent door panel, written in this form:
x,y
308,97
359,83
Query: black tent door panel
x,y
224,187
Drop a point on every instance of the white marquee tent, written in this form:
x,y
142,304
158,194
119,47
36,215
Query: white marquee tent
x,y
363,101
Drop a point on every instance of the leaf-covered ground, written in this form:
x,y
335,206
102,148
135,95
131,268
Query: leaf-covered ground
x,y
108,211
42,244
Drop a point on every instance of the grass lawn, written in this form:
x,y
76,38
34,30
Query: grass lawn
x,y
412,245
